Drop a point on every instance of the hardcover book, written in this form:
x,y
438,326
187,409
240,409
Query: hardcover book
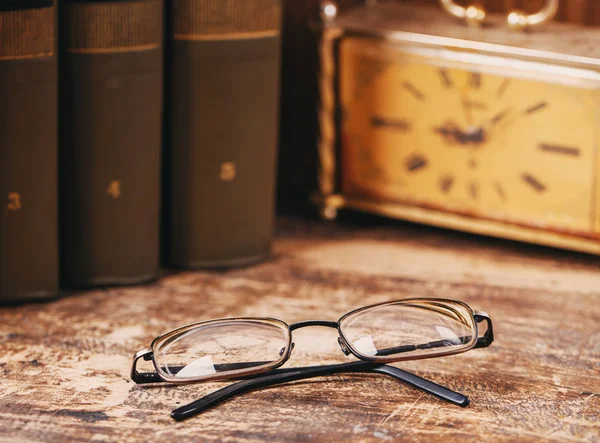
x,y
28,150
111,110
223,89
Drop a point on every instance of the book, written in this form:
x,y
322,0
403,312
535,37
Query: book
x,y
223,68
110,134
28,151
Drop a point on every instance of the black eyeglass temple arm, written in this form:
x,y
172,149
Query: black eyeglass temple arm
x,y
281,376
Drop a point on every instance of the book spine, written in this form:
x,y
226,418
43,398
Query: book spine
x,y
28,151
111,129
223,89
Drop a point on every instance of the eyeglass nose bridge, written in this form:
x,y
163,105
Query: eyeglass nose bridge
x,y
308,323
327,324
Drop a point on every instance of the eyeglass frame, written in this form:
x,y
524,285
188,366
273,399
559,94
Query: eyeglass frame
x,y
148,353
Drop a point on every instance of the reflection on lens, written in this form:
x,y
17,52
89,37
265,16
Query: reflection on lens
x,y
410,329
235,346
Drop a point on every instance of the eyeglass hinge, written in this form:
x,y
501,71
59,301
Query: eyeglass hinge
x,y
144,377
488,337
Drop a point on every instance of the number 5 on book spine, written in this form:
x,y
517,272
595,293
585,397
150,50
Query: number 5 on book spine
x,y
114,189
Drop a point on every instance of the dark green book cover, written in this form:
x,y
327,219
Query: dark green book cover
x,y
111,117
28,150
223,103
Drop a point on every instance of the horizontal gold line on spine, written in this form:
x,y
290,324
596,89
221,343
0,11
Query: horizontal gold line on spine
x,y
27,56
234,36
114,50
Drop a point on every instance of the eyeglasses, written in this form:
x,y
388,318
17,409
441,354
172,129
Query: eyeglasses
x,y
234,348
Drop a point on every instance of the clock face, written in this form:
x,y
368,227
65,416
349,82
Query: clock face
x,y
476,136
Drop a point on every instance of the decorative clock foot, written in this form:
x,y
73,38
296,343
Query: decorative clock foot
x,y
329,205
328,213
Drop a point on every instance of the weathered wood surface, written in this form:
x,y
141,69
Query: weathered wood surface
x,y
65,364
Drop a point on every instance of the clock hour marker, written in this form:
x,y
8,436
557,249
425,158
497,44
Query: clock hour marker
x,y
558,149
473,191
475,80
446,184
446,80
384,122
502,88
416,162
536,108
414,91
534,182
500,191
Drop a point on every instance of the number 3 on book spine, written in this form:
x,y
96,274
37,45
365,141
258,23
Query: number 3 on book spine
x,y
14,201
28,151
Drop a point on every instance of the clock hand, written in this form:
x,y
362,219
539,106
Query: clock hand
x,y
499,121
450,131
475,135
465,104
453,133
499,117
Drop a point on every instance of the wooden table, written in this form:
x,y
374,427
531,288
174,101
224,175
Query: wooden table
x,y
65,364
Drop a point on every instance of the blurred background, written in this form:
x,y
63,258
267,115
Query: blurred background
x,y
297,175
143,135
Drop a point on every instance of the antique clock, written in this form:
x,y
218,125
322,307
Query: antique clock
x,y
471,126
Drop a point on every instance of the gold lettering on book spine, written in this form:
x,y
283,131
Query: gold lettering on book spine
x,y
228,171
114,189
14,201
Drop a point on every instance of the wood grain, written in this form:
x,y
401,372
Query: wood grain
x,y
65,364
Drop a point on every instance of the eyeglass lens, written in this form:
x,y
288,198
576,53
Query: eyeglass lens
x,y
415,329
224,346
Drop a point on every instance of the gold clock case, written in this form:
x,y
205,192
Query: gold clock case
x,y
482,130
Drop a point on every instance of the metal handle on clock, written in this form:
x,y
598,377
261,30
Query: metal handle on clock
x,y
475,15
